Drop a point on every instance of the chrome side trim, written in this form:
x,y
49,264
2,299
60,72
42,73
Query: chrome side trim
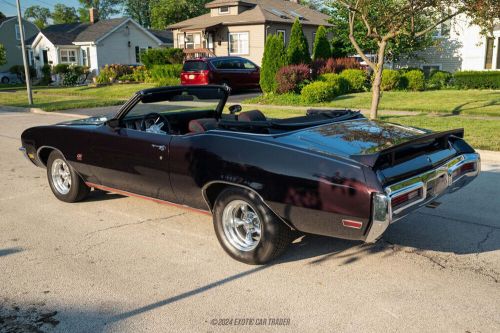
x,y
382,211
207,185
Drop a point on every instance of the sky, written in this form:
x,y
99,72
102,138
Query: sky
x,y
8,7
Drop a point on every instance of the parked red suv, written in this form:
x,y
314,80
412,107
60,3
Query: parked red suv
x,y
236,72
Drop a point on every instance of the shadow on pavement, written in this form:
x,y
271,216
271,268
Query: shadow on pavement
x,y
11,250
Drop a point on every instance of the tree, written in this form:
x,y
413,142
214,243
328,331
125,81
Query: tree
x,y
3,55
166,12
105,8
386,20
39,15
139,10
298,49
322,49
64,14
274,58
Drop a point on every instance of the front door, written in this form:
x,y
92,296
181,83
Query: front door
x,y
45,57
132,160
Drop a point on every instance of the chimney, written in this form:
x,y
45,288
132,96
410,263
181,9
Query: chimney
x,y
295,1
94,15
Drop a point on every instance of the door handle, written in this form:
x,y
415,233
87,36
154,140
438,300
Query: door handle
x,y
160,147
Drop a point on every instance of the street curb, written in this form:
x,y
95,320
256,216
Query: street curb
x,y
489,155
71,115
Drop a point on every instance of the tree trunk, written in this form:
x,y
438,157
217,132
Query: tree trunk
x,y
377,80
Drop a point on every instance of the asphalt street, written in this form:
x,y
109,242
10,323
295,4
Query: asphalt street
x,y
119,264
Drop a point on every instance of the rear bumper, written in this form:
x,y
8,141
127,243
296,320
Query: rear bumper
x,y
447,178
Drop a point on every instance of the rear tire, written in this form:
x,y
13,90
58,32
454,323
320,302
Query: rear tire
x,y
238,212
5,80
64,182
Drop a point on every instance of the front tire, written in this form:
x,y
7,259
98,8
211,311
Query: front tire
x,y
246,229
64,182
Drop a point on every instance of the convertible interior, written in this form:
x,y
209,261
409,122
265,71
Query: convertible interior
x,y
195,111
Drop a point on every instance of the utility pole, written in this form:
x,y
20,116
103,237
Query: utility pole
x,y
25,61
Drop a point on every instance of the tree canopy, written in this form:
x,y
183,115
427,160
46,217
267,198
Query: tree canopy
x,y
166,12
298,48
64,14
105,8
138,10
38,15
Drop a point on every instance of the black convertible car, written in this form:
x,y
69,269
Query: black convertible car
x,y
329,172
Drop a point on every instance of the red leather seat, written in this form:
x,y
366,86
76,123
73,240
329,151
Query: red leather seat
x,y
202,125
253,115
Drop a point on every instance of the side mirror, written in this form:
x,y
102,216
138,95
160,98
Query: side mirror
x,y
113,123
233,109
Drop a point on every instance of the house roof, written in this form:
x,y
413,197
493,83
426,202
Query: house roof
x,y
64,34
5,18
261,11
165,36
95,31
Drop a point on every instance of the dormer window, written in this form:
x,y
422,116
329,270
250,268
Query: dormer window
x,y
224,10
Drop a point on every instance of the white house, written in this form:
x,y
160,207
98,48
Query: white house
x,y
95,44
460,47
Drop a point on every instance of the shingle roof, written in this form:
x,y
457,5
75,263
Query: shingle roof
x,y
5,18
95,31
262,11
64,34
165,36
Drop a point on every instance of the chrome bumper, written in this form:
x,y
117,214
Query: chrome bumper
x,y
25,153
431,185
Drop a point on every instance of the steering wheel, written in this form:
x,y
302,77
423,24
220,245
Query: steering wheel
x,y
157,118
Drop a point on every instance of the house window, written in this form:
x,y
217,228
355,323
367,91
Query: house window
x,y
282,32
238,43
18,32
68,56
488,62
88,57
428,69
224,10
138,52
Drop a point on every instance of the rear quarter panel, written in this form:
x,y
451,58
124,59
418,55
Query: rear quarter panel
x,y
312,192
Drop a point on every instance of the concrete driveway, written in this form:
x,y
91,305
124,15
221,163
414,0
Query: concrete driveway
x,y
118,264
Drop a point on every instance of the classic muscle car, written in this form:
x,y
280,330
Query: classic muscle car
x,y
329,172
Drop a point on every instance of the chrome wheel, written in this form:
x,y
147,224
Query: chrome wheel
x,y
61,176
242,225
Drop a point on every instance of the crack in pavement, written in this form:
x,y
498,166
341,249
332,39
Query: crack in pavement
x,y
90,234
457,220
484,240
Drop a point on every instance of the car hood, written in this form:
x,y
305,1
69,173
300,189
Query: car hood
x,y
96,120
352,137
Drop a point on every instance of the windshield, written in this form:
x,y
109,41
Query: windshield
x,y
180,100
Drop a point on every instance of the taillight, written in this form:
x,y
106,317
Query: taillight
x,y
406,197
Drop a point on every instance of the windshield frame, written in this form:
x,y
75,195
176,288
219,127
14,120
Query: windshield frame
x,y
155,95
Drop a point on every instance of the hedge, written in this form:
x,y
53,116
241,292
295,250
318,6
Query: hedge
x,y
477,79
414,80
292,78
356,78
162,56
339,83
318,92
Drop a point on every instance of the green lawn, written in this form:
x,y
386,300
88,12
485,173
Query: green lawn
x,y
458,102
52,99
480,133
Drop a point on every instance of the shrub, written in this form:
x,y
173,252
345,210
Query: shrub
x,y
73,75
60,69
415,80
162,56
168,81
337,65
477,79
141,74
317,67
127,77
46,72
272,61
318,92
161,72
322,49
19,71
298,49
439,79
391,80
292,78
110,73
340,84
356,79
